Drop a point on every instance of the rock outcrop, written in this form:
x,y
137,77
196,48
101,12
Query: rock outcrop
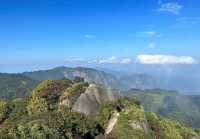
x,y
89,102
112,122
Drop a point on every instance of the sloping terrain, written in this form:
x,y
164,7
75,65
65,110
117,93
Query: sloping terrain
x,y
65,109
171,104
15,86
132,122
88,74
140,81
90,101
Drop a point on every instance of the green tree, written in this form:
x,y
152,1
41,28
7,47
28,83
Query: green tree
x,y
37,105
5,110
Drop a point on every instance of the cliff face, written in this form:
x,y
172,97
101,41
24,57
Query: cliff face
x,y
90,100
124,118
121,116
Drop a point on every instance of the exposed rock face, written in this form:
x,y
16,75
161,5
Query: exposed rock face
x,y
138,125
145,125
135,124
88,74
112,122
89,102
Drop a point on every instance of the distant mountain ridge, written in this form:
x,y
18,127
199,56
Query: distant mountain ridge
x,y
139,81
21,84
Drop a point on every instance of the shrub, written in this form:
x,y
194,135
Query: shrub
x,y
37,105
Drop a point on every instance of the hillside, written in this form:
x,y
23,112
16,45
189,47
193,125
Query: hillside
x,y
87,73
140,81
65,109
171,104
15,85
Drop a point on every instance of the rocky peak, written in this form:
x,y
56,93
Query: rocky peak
x,y
89,102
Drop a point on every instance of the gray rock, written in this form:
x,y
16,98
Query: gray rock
x,y
89,102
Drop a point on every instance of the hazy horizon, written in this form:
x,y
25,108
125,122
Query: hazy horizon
x,y
50,33
156,37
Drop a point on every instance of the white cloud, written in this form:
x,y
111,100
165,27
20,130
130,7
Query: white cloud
x,y
110,60
149,34
171,7
115,60
89,36
152,45
165,59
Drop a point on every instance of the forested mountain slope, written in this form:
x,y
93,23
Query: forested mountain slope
x,y
65,109
15,85
171,104
140,81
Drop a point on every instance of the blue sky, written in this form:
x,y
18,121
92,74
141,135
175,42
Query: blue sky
x,y
35,33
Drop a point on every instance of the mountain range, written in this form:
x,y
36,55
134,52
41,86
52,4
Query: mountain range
x,y
178,77
170,104
139,81
74,109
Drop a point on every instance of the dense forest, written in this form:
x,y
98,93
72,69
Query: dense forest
x,y
15,86
74,109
